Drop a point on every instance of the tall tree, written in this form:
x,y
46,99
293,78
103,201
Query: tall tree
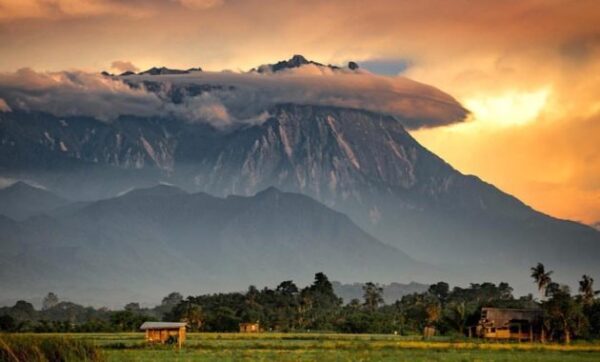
x,y
562,311
319,304
373,295
541,277
188,311
440,290
172,299
586,288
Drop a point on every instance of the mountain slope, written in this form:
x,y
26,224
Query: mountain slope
x,y
361,163
21,200
161,239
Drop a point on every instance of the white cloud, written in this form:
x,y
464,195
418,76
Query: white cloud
x,y
75,93
225,97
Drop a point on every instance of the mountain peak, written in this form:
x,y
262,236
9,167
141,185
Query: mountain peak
x,y
158,71
163,71
297,61
22,200
21,186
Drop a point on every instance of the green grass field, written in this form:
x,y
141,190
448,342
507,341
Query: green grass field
x,y
329,347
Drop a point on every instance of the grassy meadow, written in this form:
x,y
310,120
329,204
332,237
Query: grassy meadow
x,y
295,347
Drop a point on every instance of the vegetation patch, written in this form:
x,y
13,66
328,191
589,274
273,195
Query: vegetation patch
x,y
29,348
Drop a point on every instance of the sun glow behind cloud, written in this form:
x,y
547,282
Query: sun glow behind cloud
x,y
508,109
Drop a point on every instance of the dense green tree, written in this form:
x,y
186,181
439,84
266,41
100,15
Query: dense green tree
x,y
586,289
126,321
564,314
7,323
286,306
133,307
187,311
172,299
373,296
440,290
317,307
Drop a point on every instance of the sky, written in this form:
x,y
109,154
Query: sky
x,y
527,70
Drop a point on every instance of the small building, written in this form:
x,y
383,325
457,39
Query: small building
x,y
249,327
164,332
516,324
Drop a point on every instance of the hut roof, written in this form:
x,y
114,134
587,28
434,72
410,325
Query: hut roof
x,y
162,325
503,316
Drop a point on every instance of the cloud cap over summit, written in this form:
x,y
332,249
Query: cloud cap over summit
x,y
226,97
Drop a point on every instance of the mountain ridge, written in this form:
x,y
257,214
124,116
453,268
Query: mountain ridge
x,y
21,200
188,242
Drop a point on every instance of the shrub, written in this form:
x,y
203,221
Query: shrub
x,y
26,348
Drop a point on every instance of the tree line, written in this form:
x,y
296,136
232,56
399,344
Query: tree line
x,y
316,307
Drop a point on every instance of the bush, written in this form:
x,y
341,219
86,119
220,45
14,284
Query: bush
x,y
46,349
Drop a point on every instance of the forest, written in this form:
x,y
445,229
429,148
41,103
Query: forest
x,y
316,308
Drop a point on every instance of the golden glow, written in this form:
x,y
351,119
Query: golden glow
x,y
509,109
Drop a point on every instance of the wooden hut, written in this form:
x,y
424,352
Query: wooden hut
x,y
249,327
163,332
516,324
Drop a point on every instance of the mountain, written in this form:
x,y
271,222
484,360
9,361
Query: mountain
x,y
297,61
596,225
157,71
167,71
155,240
21,200
364,164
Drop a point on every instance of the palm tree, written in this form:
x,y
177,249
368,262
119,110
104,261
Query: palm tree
x,y
586,288
541,277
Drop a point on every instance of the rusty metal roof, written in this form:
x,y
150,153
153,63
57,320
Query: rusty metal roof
x,y
503,316
162,325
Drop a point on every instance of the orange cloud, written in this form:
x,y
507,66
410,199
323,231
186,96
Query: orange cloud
x,y
121,66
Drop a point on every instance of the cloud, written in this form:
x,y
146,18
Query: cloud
x,y
65,9
385,66
4,106
226,97
200,4
74,94
60,9
121,66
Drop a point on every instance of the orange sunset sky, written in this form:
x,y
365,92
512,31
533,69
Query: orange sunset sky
x,y
527,70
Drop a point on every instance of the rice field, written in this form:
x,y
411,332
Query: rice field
x,y
315,347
